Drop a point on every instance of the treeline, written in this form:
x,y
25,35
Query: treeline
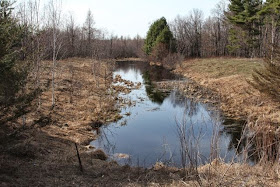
x,y
32,33
243,28
46,29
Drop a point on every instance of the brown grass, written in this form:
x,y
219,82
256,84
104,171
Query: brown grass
x,y
44,154
88,103
228,78
223,67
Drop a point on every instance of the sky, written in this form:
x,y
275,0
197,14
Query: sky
x,y
131,17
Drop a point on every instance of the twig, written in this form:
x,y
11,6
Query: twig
x,y
78,155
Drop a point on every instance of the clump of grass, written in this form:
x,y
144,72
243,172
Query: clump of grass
x,y
99,154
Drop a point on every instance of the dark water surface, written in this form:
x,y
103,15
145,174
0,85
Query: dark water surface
x,y
150,132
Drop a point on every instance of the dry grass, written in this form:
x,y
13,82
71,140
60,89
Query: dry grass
x,y
131,59
223,67
79,101
44,154
221,174
228,78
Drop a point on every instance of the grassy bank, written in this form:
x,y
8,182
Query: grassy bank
x,y
228,78
223,67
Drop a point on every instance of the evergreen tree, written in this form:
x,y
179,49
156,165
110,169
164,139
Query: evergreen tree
x,y
271,7
244,14
271,15
159,34
236,9
267,80
9,49
13,73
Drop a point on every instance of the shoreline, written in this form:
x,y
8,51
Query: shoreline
x,y
44,154
234,95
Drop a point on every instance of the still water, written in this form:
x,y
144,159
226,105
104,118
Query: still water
x,y
149,131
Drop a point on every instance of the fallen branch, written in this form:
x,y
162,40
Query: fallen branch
x,y
78,155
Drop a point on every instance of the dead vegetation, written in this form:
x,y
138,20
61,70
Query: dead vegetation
x,y
228,79
82,96
224,82
42,152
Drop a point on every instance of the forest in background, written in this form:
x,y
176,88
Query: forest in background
x,y
49,99
235,28
32,32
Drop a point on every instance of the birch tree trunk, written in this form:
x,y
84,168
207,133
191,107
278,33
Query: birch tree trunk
x,y
55,11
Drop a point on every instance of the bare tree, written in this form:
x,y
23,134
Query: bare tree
x,y
89,28
54,15
197,37
196,18
187,31
71,35
85,41
30,16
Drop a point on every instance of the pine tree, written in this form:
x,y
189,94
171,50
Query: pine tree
x,y
270,12
13,73
159,34
244,14
236,9
267,80
10,35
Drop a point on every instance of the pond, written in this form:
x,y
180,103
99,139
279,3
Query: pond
x,y
151,129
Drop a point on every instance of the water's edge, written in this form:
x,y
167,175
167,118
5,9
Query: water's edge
x,y
149,131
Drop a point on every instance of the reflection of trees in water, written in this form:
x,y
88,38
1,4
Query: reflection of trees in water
x,y
157,73
127,66
241,140
190,106
234,130
104,142
149,74
154,94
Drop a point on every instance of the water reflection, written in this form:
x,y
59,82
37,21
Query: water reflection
x,y
234,129
153,93
191,107
149,134
252,146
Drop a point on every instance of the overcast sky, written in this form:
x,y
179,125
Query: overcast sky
x,y
132,17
